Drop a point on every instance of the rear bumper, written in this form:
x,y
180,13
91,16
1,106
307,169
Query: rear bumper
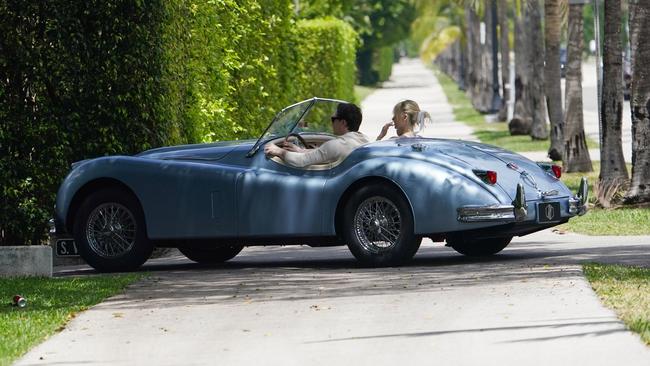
x,y
521,210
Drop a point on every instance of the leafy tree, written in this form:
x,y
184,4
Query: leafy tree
x,y
379,23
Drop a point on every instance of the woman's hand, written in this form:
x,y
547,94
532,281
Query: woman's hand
x,y
384,130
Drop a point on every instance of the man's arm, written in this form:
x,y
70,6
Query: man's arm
x,y
326,153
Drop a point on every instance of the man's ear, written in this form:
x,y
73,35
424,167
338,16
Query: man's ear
x,y
346,124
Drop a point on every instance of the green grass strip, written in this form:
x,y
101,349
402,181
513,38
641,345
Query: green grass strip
x,y
51,303
598,221
626,290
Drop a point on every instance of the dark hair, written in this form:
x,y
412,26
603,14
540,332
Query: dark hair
x,y
351,114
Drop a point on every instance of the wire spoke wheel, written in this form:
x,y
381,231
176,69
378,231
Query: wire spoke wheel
x,y
377,224
111,230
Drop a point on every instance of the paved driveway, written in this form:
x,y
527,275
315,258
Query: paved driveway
x,y
300,306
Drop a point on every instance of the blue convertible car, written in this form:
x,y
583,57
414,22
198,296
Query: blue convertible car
x,y
211,200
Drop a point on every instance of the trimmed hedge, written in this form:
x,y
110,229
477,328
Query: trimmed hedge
x,y
383,63
326,49
92,78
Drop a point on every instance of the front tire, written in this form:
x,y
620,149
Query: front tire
x,y
110,232
211,255
378,226
478,247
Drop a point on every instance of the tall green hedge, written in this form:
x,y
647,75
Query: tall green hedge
x,y
383,62
326,49
80,79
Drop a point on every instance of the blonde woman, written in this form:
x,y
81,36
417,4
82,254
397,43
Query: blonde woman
x,y
408,120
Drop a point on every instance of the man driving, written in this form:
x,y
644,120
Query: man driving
x,y
345,125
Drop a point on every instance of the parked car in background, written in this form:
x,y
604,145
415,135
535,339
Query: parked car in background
x,y
211,200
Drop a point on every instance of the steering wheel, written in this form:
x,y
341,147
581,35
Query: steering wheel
x,y
302,140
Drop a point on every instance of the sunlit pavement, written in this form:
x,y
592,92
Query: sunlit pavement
x,y
299,305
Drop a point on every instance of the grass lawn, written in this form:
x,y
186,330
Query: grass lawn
x,y
626,290
598,221
361,92
51,303
490,133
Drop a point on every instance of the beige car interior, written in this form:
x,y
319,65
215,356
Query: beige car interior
x,y
314,141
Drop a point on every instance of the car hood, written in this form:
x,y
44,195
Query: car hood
x,y
202,152
466,156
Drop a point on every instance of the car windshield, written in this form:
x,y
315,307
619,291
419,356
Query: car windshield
x,y
309,116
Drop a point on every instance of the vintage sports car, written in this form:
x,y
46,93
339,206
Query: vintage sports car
x,y
211,200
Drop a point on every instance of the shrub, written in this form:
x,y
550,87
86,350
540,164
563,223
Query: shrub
x,y
326,51
77,79
383,62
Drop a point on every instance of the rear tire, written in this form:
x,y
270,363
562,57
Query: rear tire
x,y
110,232
211,255
378,226
478,247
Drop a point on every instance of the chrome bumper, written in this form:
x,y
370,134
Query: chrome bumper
x,y
486,213
518,210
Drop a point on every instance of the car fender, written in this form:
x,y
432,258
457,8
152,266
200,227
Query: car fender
x,y
434,192
179,199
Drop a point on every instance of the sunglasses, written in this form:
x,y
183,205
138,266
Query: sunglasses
x,y
334,118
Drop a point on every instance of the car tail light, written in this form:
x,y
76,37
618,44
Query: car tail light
x,y
487,176
557,171
552,169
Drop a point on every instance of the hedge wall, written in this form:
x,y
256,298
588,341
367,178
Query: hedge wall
x,y
91,78
383,62
326,49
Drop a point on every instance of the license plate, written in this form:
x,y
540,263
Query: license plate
x,y
548,212
66,248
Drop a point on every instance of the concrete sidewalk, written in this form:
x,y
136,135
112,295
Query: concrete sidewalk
x,y
529,305
412,80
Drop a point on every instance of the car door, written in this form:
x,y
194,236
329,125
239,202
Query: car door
x,y
278,200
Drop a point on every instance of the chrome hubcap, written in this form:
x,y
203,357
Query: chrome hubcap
x,y
110,230
377,224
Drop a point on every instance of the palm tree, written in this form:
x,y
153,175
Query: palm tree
x,y
504,45
640,100
552,29
613,173
535,50
477,68
521,122
576,155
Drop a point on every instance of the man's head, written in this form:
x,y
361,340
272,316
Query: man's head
x,y
347,118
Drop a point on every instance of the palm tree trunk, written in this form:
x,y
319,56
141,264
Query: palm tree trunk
x,y
504,45
552,27
472,26
576,155
521,119
640,102
613,173
536,56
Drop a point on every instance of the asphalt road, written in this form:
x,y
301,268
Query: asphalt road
x,y
299,305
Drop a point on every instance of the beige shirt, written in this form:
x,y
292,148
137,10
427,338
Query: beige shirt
x,y
331,151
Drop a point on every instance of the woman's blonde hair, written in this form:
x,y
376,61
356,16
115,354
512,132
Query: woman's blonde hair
x,y
417,118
